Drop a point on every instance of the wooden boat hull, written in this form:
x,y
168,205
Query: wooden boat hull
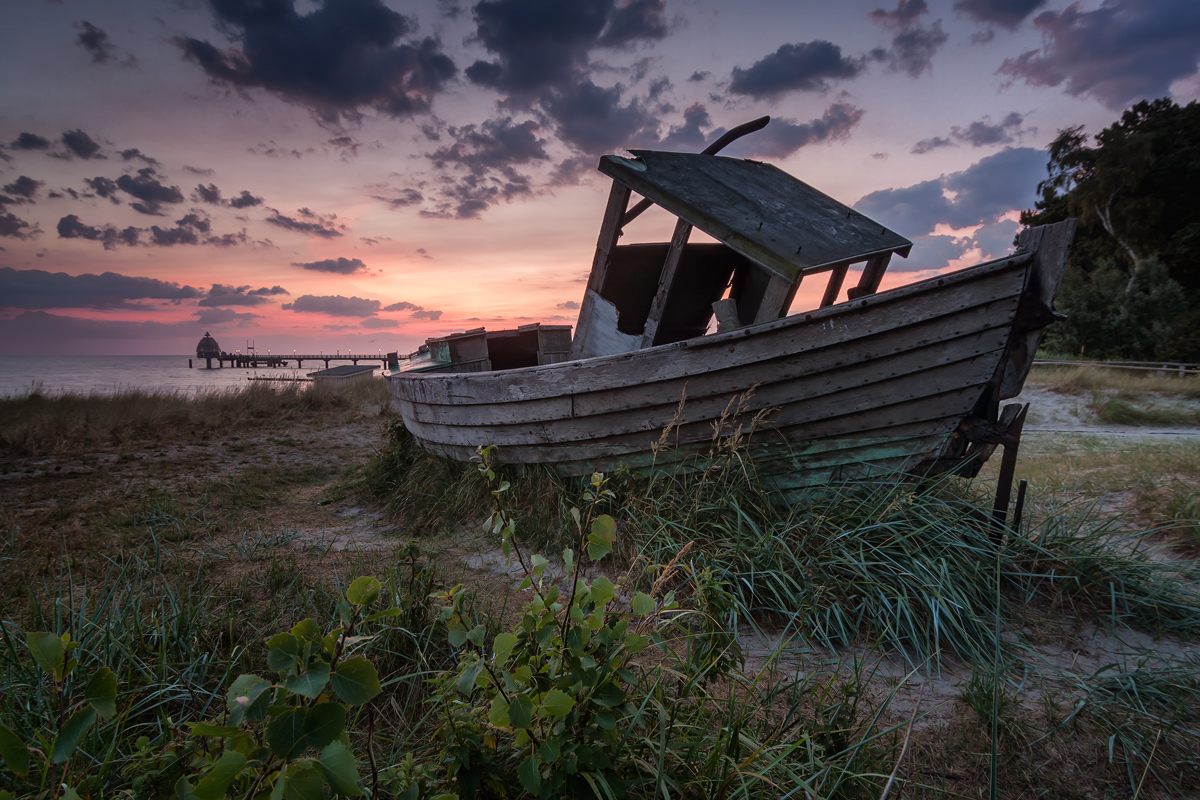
x,y
880,384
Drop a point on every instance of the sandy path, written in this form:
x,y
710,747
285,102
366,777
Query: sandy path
x,y
1056,413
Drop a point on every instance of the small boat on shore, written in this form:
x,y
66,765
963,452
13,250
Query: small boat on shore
x,y
902,381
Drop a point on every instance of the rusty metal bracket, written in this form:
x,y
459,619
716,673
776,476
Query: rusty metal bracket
x,y
1011,441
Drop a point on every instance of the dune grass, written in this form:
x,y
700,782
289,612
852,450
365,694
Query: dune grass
x,y
35,423
1088,379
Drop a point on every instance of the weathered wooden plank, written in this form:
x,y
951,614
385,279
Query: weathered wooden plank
x,y
666,281
857,394
872,274
758,209
794,385
845,322
832,289
610,232
775,301
879,349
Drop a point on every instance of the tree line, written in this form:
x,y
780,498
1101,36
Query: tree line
x,y
1132,287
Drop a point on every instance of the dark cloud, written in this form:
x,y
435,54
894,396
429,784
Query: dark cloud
x,y
933,143
14,227
25,188
379,322
494,145
150,194
698,76
805,66
222,295
592,119
1005,13
41,332
30,141
96,42
309,223
983,132
635,20
424,314
191,229
207,194
983,37
104,187
693,134
569,305
346,144
913,46
264,291
245,200
202,171
133,152
343,56
906,13
35,288
337,266
402,198
1123,51
541,44
334,305
223,316
403,305
81,144
987,190
784,136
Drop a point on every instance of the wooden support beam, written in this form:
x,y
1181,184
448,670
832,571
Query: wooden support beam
x,y
606,242
679,241
871,276
832,289
777,298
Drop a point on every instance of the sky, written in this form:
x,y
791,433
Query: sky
x,y
363,174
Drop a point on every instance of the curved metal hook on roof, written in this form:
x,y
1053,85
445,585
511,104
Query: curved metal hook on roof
x,y
727,138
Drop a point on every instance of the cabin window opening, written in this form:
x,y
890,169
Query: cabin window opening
x,y
513,349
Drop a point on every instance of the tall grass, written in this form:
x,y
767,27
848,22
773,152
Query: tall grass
x,y
37,424
1086,379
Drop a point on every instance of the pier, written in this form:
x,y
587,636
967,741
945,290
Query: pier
x,y
256,360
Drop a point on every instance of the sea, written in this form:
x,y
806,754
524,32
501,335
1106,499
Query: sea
x,y
55,375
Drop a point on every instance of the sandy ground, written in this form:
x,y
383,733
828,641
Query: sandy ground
x,y
1053,413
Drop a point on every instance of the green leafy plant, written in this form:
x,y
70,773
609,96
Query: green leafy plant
x,y
45,758
547,703
287,734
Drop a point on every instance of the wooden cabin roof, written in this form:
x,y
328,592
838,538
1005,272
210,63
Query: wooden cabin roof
x,y
757,209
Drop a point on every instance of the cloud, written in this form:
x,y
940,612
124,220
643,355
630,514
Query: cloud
x,y
806,66
592,119
104,187
691,136
133,152
933,143
25,188
35,288
308,222
379,322
423,314
977,196
30,141
222,295
983,133
43,332
148,191
913,46
785,136
14,227
81,144
245,200
569,305
403,305
698,76
1123,51
264,291
334,305
402,198
485,158
191,229
223,316
1005,13
337,266
207,194
542,44
96,42
341,57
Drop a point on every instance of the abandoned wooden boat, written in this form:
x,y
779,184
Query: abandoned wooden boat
x,y
906,380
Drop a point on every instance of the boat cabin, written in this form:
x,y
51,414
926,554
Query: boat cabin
x,y
772,231
480,350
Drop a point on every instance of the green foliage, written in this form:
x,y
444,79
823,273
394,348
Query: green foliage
x,y
288,734
46,758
